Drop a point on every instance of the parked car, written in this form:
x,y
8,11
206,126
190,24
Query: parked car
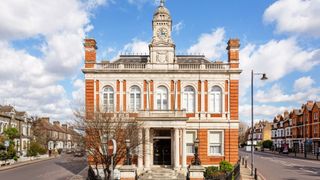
x,y
78,153
69,151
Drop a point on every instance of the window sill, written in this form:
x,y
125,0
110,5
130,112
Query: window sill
x,y
215,155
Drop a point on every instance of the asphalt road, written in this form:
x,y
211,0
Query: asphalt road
x,y
276,167
61,168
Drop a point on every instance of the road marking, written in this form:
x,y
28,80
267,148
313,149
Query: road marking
x,y
308,171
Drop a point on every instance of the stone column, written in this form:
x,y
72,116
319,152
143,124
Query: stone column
x,y
202,96
176,148
140,150
121,96
184,149
147,149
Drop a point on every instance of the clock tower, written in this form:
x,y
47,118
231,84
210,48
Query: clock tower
x,y
162,48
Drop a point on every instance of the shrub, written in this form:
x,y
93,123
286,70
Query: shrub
x,y
226,166
211,170
60,151
15,158
267,144
35,149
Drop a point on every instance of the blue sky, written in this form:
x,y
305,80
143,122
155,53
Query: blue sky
x,y
41,51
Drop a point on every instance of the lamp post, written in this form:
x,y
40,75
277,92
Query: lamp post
x,y
128,161
104,147
196,160
264,77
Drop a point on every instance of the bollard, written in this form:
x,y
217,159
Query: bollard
x,y
255,174
242,161
246,164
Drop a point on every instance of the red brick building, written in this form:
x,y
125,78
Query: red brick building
x,y
178,97
305,127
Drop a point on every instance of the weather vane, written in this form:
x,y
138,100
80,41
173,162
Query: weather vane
x,y
161,2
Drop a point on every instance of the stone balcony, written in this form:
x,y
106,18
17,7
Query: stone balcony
x,y
167,66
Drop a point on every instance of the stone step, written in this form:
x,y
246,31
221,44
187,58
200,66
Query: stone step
x,y
162,174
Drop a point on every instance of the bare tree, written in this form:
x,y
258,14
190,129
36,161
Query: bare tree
x,y
117,126
243,127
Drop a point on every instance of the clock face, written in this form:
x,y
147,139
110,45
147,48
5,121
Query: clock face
x,y
162,33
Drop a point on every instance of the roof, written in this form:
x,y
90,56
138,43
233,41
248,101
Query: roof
x,y
21,113
7,108
297,112
309,105
142,59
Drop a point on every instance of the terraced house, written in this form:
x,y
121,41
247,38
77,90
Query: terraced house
x,y
54,135
179,98
11,118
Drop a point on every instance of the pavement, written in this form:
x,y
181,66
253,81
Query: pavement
x,y
19,164
279,167
294,155
245,173
64,167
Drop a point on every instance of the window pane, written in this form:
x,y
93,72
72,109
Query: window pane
x,y
138,101
158,101
190,136
215,137
132,102
190,149
215,149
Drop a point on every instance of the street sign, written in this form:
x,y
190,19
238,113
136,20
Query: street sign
x,y
6,143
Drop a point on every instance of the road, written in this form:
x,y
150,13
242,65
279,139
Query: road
x,y
277,167
61,168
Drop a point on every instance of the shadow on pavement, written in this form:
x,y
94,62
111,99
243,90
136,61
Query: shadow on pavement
x,y
74,165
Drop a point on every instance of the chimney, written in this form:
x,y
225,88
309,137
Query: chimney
x,y
90,47
46,119
233,53
64,126
57,123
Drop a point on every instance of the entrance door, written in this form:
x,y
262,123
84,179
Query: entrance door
x,y
162,152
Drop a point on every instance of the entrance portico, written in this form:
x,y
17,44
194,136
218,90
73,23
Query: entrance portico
x,y
163,138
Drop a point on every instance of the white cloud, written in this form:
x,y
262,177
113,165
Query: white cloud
x,y
303,83
178,27
276,94
136,46
275,58
263,111
295,16
32,82
211,44
46,17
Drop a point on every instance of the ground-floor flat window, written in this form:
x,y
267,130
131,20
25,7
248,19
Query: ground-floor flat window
x,y
190,137
215,142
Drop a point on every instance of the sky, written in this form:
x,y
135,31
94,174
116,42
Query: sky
x,y
41,47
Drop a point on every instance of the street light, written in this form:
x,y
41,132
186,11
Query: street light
x,y
264,77
128,161
104,148
196,160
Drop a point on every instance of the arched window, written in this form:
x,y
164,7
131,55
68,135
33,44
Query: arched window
x,y
135,98
189,99
162,98
215,99
108,99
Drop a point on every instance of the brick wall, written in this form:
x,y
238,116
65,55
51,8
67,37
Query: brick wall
x,y
234,100
229,148
89,97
